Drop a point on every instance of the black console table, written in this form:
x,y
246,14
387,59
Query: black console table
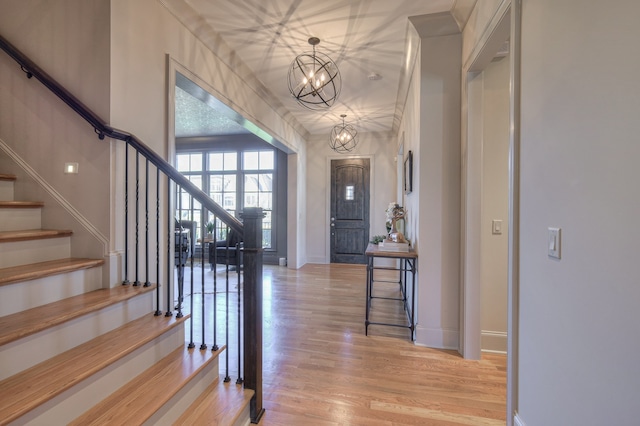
x,y
406,269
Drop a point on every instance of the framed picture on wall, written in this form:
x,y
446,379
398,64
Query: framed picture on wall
x,y
408,173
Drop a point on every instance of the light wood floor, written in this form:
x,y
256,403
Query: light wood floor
x,y
321,369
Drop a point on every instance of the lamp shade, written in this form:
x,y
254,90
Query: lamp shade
x,y
314,79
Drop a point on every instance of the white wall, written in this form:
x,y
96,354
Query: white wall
x,y
495,205
431,127
381,152
579,317
69,40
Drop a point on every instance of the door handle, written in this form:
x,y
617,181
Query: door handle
x,y
333,224
332,219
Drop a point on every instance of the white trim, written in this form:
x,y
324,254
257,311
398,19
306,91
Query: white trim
x,y
513,286
500,12
84,222
494,342
439,338
484,50
517,420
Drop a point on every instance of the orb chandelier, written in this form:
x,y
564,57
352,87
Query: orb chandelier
x,y
343,137
314,79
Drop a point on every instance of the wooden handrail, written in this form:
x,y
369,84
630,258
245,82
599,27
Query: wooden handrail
x,y
104,130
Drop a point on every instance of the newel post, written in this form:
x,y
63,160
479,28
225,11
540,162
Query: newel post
x,y
252,259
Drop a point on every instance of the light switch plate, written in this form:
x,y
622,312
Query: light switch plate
x,y
496,227
553,242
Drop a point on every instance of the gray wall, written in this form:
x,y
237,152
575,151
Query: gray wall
x,y
579,317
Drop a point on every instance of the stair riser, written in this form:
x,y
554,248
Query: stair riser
x,y
6,190
72,403
175,407
33,251
18,219
48,289
31,350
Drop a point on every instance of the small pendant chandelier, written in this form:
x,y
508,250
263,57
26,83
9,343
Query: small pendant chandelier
x,y
343,137
314,79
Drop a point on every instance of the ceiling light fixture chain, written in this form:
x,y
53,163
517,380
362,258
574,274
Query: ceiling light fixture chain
x,y
314,79
343,137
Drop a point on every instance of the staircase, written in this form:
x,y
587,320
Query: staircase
x,y
76,351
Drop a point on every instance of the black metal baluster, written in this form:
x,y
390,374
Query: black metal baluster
x,y
240,380
146,218
203,346
158,311
137,254
170,263
125,281
191,244
180,255
215,284
226,311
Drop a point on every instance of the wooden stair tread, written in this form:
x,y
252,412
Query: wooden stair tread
x,y
33,234
21,204
219,404
140,398
25,323
8,177
44,269
33,387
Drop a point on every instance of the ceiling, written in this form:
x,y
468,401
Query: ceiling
x,y
365,38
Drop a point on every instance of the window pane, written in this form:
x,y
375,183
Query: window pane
x,y
189,162
350,193
215,183
266,231
265,200
182,162
230,183
266,182
250,160
266,160
251,183
196,180
230,161
250,199
229,201
216,161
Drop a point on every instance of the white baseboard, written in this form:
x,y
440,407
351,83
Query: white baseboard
x,y
494,341
517,421
439,338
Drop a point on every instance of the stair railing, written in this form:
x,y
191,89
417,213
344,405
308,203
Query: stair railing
x,y
249,307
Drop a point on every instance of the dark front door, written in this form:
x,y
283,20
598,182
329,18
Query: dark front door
x,y
349,222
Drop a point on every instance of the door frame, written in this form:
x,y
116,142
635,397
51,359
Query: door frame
x,y
509,12
327,218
